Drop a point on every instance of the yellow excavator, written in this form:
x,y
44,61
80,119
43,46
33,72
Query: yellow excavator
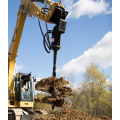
x,y
21,85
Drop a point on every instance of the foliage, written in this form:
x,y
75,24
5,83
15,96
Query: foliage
x,y
94,96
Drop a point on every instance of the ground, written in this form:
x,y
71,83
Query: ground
x,y
70,114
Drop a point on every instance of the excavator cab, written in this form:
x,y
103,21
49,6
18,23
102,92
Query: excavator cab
x,y
23,91
24,88
24,85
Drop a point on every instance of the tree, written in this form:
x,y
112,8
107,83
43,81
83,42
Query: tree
x,y
94,94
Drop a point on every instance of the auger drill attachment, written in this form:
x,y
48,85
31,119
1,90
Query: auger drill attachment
x,y
55,44
52,85
58,17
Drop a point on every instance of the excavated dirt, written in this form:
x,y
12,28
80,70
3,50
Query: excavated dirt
x,y
55,101
55,87
65,91
71,114
51,82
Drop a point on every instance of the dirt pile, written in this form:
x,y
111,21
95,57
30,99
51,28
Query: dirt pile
x,y
71,114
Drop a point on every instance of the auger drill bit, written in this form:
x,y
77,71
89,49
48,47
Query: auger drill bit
x,y
54,69
54,62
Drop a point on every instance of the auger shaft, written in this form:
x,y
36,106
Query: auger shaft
x,y
54,62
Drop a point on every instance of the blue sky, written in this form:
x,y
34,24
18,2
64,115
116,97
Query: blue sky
x,y
88,38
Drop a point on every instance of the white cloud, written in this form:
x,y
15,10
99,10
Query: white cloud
x,y
17,68
57,70
100,53
86,7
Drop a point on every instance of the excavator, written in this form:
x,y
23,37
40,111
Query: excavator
x,y
21,85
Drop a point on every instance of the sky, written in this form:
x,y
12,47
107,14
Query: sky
x,y
88,38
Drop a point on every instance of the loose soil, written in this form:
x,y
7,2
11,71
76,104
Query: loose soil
x,y
55,101
55,87
70,114
51,82
65,91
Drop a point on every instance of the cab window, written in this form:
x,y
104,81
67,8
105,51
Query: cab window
x,y
26,89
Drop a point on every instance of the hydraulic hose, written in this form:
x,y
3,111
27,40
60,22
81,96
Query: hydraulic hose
x,y
46,39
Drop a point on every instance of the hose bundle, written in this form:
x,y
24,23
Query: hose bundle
x,y
46,39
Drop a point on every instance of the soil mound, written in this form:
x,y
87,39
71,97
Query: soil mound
x,y
71,114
